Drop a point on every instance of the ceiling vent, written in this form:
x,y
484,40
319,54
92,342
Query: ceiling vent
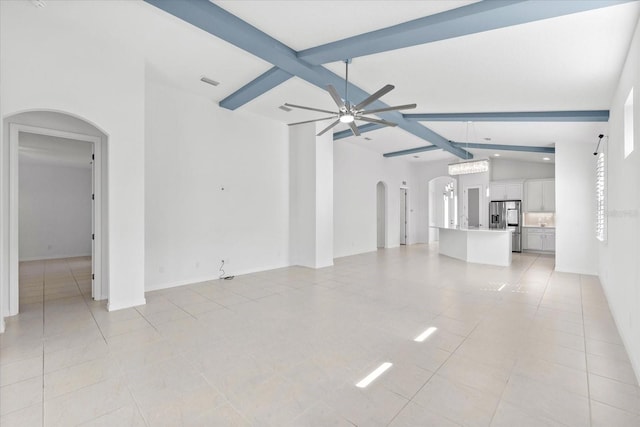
x,y
39,3
209,81
284,108
367,138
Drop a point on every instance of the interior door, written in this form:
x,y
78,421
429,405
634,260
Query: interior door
x,y
403,216
473,206
94,291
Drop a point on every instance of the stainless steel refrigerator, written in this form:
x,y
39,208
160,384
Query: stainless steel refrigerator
x,y
507,214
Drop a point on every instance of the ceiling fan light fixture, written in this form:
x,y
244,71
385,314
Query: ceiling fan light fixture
x,y
347,118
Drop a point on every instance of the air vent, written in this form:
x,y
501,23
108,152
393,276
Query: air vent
x,y
284,108
416,157
39,3
209,81
367,138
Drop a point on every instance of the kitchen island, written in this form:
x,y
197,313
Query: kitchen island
x,y
479,245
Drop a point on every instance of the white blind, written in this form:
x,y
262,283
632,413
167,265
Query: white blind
x,y
601,212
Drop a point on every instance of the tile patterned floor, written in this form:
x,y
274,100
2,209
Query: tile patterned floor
x,y
517,346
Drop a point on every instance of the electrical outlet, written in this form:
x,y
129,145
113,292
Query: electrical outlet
x,y
197,264
161,269
49,247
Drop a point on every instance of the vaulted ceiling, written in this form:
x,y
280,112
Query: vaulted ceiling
x,y
551,66
546,70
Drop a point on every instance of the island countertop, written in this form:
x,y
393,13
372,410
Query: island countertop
x,y
478,245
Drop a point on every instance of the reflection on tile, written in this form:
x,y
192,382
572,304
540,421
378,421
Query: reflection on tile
x,y
286,348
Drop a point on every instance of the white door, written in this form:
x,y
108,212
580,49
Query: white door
x,y
472,206
403,216
381,214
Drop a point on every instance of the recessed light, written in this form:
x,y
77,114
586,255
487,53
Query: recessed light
x,y
373,375
284,108
546,158
496,155
209,81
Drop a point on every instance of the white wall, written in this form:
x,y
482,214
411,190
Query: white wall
x,y
576,249
50,62
194,149
619,266
357,172
55,211
422,173
502,169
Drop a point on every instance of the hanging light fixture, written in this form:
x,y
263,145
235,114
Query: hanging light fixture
x,y
469,166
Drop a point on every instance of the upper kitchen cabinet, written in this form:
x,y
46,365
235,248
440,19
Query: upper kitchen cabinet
x,y
540,195
505,190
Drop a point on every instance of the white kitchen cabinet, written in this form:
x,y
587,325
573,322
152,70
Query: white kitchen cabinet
x,y
540,195
505,190
539,239
549,195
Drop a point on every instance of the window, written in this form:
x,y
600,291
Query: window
x,y
628,125
601,213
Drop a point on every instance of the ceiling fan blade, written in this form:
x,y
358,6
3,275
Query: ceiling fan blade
x,y
375,96
381,122
329,127
311,121
310,108
336,97
397,107
354,129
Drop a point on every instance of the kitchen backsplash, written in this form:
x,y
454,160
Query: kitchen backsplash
x,y
537,219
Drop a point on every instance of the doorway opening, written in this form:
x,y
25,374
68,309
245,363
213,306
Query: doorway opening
x,y
443,205
403,216
55,200
381,214
472,206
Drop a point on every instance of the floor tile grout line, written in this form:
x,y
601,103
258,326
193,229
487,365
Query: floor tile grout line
x,y
528,332
586,359
86,303
434,374
44,266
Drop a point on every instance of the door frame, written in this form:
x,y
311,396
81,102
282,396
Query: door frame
x,y
97,290
385,215
404,190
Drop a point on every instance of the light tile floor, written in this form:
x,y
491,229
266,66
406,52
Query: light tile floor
x,y
517,346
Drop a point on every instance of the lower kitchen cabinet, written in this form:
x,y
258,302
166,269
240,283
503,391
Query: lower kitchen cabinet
x,y
539,239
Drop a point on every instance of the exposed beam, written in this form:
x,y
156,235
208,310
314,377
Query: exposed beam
x,y
261,84
496,147
220,23
364,128
411,151
532,116
473,18
502,147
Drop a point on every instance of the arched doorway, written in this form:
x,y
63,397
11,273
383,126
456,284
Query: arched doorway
x,y
443,205
50,136
381,214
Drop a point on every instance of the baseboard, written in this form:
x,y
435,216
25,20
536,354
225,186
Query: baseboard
x,y
113,306
167,285
43,258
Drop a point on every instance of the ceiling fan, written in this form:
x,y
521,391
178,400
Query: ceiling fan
x,y
349,113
